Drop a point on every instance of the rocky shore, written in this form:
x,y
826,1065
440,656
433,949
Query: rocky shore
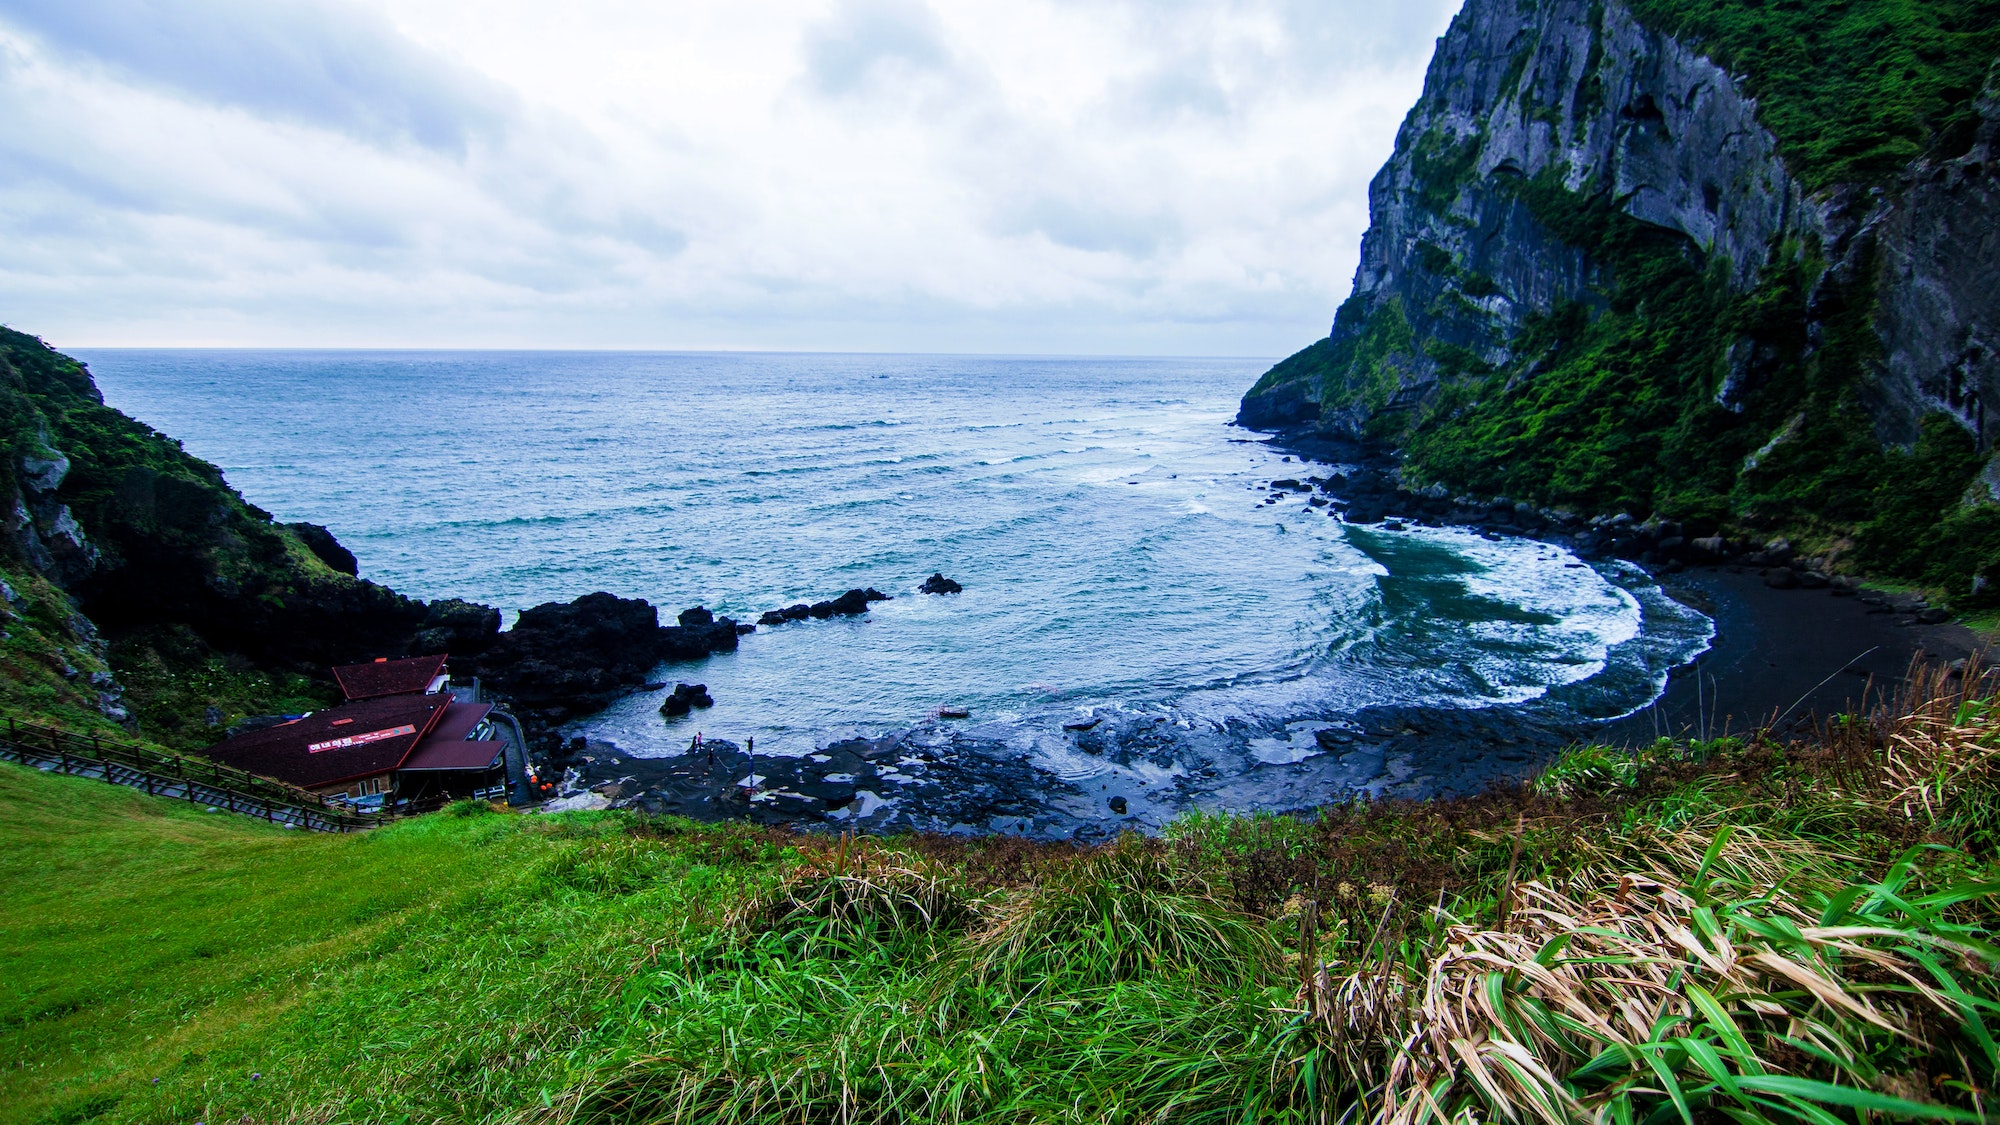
x,y
1362,489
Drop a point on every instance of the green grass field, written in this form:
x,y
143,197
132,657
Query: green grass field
x,y
1733,930
155,957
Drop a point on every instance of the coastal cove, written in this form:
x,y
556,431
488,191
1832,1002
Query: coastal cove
x,y
1126,565
1559,692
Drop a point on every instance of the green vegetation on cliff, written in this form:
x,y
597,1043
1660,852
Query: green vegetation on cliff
x,y
1734,929
49,656
1853,89
1621,408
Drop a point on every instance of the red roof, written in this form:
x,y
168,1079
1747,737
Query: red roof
x,y
390,677
446,748
351,741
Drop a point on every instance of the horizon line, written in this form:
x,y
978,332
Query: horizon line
x,y
607,350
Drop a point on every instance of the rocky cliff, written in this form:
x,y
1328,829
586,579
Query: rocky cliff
x,y
1722,263
142,586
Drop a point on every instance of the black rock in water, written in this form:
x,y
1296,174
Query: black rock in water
x,y
939,584
698,634
798,612
565,659
849,604
686,697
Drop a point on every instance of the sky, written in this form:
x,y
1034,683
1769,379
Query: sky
x,y
1138,177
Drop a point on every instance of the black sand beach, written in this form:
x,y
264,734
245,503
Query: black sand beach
x,y
1785,657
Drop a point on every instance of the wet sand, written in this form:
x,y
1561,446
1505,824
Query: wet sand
x,y
1785,655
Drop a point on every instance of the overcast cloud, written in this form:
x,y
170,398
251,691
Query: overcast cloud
x,y
1011,176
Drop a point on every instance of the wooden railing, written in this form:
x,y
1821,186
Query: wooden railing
x,y
182,776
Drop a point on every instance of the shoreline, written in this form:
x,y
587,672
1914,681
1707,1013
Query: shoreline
x,y
1788,654
1777,652
1796,654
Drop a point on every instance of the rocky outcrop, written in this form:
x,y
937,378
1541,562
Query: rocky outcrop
x,y
851,604
43,529
1573,93
326,548
455,626
564,659
939,584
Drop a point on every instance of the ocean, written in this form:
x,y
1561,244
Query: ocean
x,y
1106,521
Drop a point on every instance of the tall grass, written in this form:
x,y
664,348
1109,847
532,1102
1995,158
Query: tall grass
x,y
1686,932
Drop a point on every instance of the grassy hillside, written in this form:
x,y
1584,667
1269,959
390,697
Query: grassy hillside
x,y
1736,930
441,969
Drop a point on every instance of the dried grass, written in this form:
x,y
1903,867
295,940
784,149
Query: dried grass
x,y
1705,980
1941,758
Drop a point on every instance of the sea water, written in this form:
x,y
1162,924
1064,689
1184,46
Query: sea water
x,y
1107,522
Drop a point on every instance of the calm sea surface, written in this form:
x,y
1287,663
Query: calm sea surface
x,y
1106,522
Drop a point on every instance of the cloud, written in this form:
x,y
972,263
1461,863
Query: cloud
x,y
1095,229
867,40
310,61
1016,175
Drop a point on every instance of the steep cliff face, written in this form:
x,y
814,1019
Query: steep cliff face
x,y
1595,275
1934,252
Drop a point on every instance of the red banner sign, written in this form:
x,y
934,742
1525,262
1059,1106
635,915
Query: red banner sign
x,y
361,739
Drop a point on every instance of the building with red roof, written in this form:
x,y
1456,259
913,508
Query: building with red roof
x,y
400,735
415,675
